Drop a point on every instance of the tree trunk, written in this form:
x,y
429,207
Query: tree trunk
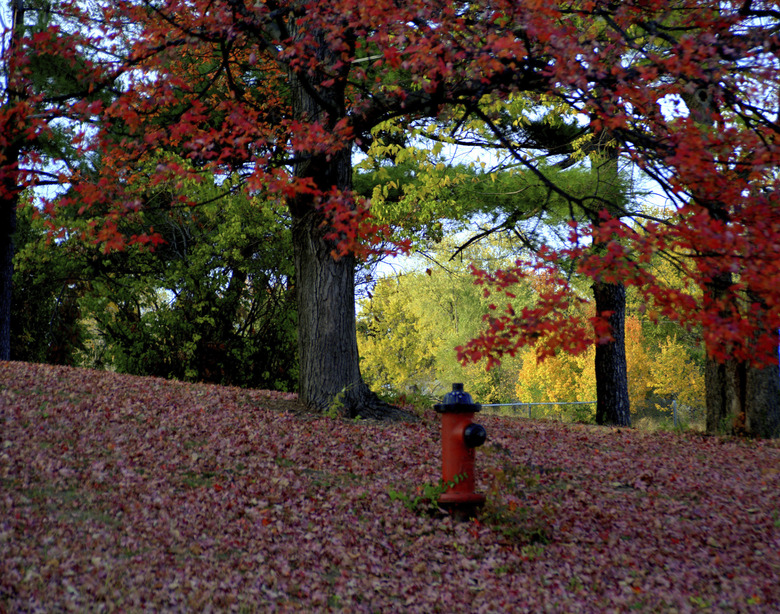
x,y
762,401
327,342
741,398
612,401
723,385
325,287
9,190
328,358
8,202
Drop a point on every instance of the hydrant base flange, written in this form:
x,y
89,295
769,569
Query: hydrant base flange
x,y
465,508
461,498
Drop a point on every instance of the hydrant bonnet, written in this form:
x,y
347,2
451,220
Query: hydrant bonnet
x,y
457,402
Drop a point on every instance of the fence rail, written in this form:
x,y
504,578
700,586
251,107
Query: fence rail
x,y
530,406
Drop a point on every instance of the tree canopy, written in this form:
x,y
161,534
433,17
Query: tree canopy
x,y
281,92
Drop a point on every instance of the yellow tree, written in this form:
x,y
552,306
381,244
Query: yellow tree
x,y
566,378
675,374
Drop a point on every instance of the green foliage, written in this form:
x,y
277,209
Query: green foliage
x,y
213,303
424,500
413,195
337,407
46,323
408,329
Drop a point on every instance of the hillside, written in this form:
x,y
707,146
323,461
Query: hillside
x,y
125,494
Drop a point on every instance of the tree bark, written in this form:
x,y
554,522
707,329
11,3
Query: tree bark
x,y
327,342
612,401
741,398
723,390
9,190
762,401
8,203
328,357
324,286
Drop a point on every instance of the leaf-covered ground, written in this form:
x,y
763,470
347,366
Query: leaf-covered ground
x,y
125,494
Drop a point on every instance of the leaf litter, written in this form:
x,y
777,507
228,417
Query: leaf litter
x,y
122,493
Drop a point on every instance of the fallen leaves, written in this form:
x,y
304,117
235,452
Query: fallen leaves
x,y
125,493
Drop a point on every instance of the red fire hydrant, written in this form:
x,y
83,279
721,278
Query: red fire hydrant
x,y
459,438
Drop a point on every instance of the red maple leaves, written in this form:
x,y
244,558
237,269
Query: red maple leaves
x,y
143,493
686,90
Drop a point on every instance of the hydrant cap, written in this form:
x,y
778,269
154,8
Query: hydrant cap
x,y
474,435
457,402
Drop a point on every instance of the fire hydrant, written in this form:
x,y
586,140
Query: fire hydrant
x,y
459,438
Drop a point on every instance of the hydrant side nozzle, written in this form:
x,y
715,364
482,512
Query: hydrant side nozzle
x,y
474,435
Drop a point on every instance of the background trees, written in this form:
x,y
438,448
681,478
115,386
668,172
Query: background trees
x,y
48,80
679,55
408,327
47,318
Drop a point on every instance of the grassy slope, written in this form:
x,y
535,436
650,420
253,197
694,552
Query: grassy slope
x,y
124,493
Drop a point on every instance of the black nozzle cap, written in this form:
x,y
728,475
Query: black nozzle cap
x,y
474,435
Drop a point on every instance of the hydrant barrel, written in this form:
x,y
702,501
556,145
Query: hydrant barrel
x,y
459,439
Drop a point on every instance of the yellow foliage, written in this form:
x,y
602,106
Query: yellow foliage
x,y
674,374
561,378
637,364
566,378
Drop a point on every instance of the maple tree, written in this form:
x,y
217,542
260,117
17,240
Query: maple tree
x,y
693,79
49,81
283,91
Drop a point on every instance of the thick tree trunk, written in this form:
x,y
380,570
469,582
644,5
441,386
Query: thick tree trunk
x,y
325,291
723,383
328,358
327,342
612,401
762,401
8,203
325,287
742,399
